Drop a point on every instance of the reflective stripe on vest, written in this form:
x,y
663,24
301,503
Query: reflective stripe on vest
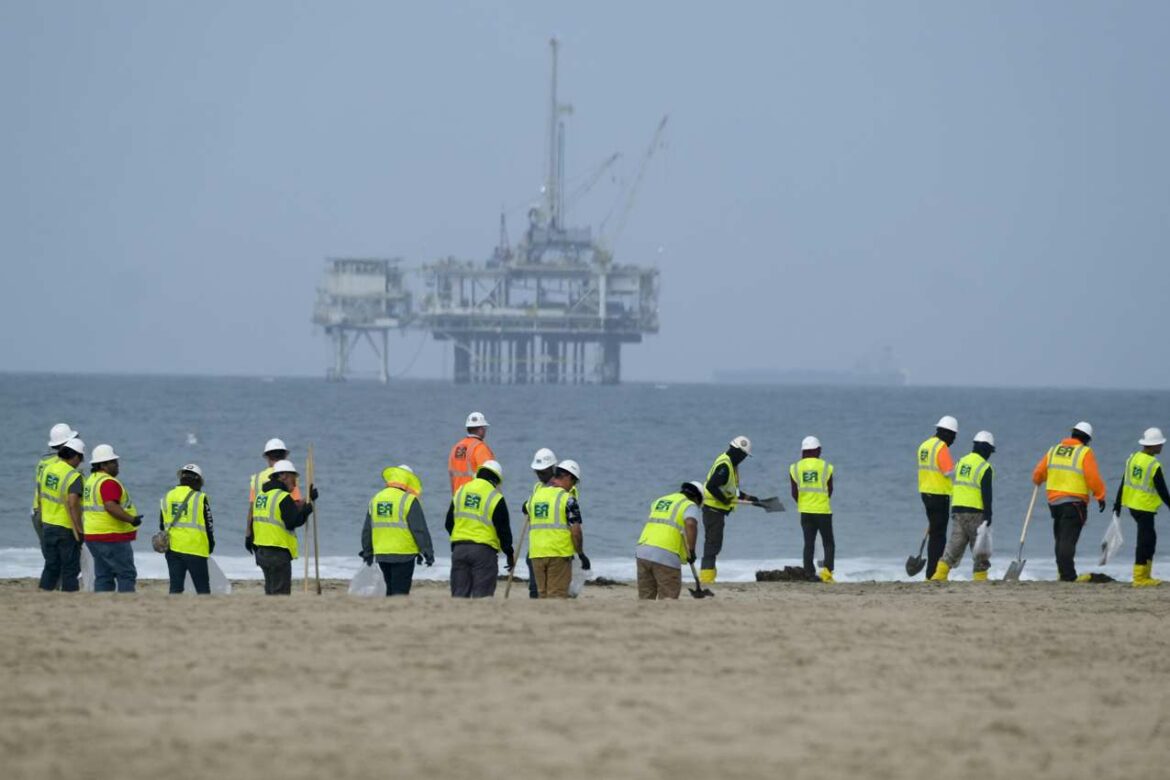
x,y
730,488
1066,469
268,528
184,519
459,464
56,479
389,530
969,473
1138,491
473,505
666,525
548,518
258,480
811,476
96,520
931,479
42,464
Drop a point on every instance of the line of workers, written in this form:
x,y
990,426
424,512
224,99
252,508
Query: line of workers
x,y
957,496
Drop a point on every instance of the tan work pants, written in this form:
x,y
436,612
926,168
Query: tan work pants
x,y
658,581
552,577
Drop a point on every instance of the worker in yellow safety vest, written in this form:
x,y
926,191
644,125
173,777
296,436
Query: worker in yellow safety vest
x,y
971,509
61,488
395,533
1072,476
184,514
470,452
58,435
810,481
1143,491
555,532
111,524
479,526
275,518
667,539
275,451
935,472
720,496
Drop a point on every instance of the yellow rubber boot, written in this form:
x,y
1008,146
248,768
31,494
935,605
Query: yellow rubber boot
x,y
940,572
1141,575
706,575
1084,577
979,576
826,576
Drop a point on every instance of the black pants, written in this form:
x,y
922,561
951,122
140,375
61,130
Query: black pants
x,y
533,593
1067,521
276,563
62,559
398,577
713,522
1147,537
179,565
811,525
474,570
938,514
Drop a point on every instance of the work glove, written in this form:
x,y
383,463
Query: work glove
x,y
418,559
313,493
248,544
430,560
690,556
1117,509
367,558
511,562
1100,505
585,564
210,547
137,521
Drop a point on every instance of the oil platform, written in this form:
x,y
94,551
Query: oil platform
x,y
554,309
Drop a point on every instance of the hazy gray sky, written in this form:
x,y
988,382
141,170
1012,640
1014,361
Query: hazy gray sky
x,y
981,186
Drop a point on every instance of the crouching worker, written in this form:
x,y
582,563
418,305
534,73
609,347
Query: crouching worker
x,y
668,537
970,508
478,523
395,532
275,518
185,516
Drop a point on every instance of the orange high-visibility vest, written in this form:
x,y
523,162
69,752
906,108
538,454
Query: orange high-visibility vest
x,y
468,454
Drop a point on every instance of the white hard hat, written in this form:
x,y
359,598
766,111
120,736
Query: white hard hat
x,y
494,467
405,468
948,423
543,459
103,453
192,468
61,433
742,443
476,420
1152,438
571,467
75,444
985,437
274,445
1084,428
284,467
810,443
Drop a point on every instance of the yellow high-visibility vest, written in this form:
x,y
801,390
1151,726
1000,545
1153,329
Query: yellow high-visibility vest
x,y
94,515
183,516
931,479
42,464
1138,490
474,504
1066,469
56,479
389,532
548,529
731,487
268,528
812,476
667,524
969,473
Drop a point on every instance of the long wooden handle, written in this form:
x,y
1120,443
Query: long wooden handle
x,y
1027,519
516,558
308,496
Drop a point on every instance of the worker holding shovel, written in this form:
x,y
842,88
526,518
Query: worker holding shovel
x,y
721,493
971,507
668,537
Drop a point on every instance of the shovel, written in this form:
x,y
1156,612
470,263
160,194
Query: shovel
x,y
699,591
915,563
769,505
1017,566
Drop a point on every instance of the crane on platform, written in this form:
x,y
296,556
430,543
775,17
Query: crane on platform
x,y
607,239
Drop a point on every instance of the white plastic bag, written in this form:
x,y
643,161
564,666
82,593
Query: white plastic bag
x,y
217,583
982,548
577,583
368,582
1112,540
86,570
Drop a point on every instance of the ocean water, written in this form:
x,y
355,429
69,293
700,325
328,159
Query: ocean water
x,y
634,442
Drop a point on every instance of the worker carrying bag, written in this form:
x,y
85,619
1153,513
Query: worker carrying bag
x,y
161,541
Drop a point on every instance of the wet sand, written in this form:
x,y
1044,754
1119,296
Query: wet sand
x,y
773,680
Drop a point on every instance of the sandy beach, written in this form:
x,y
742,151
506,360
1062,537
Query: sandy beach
x,y
765,680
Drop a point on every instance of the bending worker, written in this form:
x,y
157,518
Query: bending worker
x,y
1143,491
721,493
935,469
61,489
469,453
275,518
58,435
555,532
971,506
184,513
274,452
811,482
395,531
111,524
1070,469
480,529
668,537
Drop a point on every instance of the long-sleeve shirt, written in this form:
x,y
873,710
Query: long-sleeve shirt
x,y
1092,475
1159,485
501,521
417,524
207,521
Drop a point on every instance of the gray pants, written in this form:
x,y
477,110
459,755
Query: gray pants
x,y
474,570
276,563
964,527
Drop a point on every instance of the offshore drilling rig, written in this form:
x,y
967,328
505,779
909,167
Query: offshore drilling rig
x,y
554,309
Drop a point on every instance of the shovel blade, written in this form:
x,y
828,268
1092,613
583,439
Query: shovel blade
x,y
1013,572
701,593
915,564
